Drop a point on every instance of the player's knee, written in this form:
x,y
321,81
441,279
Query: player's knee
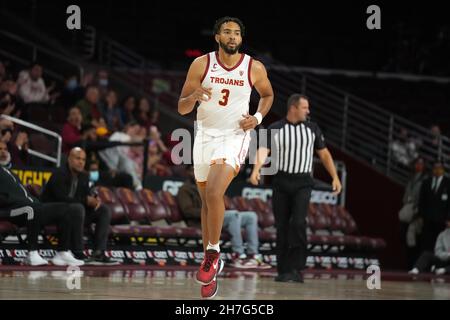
x,y
213,195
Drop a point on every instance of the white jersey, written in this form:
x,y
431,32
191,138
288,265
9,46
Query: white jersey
x,y
231,90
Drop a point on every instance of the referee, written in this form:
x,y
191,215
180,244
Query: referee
x,y
292,141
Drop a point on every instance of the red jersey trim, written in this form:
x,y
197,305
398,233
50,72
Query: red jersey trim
x,y
206,69
232,68
250,72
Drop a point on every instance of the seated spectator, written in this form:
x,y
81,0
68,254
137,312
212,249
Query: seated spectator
x,y
156,164
103,82
31,86
108,178
117,158
190,204
70,185
111,112
404,149
90,109
6,130
440,259
8,106
71,132
128,110
72,91
21,208
19,150
143,116
5,157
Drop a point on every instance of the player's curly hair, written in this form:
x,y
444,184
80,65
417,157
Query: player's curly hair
x,y
221,21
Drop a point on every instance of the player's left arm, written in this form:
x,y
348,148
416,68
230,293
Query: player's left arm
x,y
262,84
258,76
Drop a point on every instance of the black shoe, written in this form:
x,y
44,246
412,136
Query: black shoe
x,y
283,277
290,277
101,260
80,256
296,277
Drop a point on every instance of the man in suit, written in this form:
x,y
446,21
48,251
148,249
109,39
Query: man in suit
x,y
71,185
21,208
434,205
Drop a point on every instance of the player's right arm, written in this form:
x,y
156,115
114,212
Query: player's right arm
x,y
192,90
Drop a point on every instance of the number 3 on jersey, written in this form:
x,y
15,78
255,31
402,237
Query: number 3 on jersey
x,y
226,94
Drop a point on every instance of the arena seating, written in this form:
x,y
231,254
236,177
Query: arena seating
x,y
146,214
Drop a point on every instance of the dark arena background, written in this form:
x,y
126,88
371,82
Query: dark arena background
x,y
378,80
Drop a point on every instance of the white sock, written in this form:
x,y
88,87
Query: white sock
x,y
215,247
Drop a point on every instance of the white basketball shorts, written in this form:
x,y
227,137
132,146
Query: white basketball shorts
x,y
208,150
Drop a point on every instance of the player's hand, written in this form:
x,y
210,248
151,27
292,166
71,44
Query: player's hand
x,y
249,122
337,187
254,178
201,94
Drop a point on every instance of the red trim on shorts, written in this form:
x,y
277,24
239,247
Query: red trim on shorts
x,y
250,72
206,69
232,68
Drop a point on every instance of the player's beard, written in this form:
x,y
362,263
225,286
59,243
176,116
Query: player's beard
x,y
229,50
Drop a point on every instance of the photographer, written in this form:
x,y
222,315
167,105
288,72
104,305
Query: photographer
x,y
71,185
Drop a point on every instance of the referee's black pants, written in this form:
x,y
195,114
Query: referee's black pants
x,y
291,196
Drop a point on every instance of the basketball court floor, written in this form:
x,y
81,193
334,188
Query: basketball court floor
x,y
173,283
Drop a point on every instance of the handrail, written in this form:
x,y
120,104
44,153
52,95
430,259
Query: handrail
x,y
57,159
361,128
35,48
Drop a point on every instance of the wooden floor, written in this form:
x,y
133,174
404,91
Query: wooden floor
x,y
178,284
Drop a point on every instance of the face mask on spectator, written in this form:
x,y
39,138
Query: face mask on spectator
x,y
94,176
103,82
6,163
72,84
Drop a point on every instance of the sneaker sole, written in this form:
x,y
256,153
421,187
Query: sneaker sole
x,y
214,294
221,265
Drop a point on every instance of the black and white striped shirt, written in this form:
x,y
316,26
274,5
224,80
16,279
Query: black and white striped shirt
x,y
292,145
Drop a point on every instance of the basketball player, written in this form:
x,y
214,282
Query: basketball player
x,y
221,83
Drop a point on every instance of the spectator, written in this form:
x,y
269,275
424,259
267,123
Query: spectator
x,y
21,208
440,259
71,185
404,149
117,158
434,205
409,213
90,109
190,204
5,157
31,86
156,164
128,110
111,112
143,113
19,150
8,105
6,130
107,178
72,91
103,82
71,132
